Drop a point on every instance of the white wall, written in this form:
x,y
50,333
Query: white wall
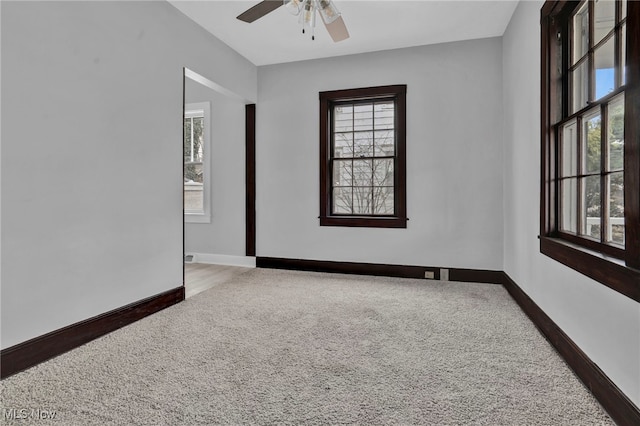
x,y
454,157
92,156
605,324
225,234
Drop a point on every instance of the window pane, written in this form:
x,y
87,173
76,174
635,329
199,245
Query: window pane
x,y
342,200
580,33
591,206
570,149
591,146
198,124
193,172
342,173
384,115
569,196
623,5
363,200
615,140
193,197
615,232
187,139
363,117
363,144
580,86
343,118
383,200
193,194
383,172
604,18
362,173
343,145
384,143
193,151
605,73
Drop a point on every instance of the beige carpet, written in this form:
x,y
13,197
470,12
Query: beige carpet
x,y
282,347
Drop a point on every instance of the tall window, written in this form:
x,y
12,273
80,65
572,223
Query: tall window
x,y
591,132
590,193
196,164
362,151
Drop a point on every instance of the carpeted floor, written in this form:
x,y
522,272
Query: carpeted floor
x,y
284,347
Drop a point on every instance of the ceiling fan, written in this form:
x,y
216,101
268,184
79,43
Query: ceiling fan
x,y
306,9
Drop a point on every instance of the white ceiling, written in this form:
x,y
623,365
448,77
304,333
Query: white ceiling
x,y
373,25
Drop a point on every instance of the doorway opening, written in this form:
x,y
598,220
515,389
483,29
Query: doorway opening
x,y
218,183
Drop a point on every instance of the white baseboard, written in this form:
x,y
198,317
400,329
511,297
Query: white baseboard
x,y
223,259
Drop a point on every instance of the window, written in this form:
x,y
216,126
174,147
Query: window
x,y
362,157
196,162
590,197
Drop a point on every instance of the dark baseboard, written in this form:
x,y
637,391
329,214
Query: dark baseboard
x,y
344,267
378,269
27,354
619,407
475,276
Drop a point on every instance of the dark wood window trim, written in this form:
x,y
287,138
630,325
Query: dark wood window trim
x,y
327,100
617,269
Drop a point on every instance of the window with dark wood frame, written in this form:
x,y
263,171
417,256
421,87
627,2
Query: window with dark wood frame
x,y
363,157
590,140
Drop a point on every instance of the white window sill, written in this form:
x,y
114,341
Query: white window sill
x,y
197,218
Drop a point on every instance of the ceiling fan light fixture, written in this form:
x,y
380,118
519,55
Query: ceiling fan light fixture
x,y
293,6
308,17
308,14
328,11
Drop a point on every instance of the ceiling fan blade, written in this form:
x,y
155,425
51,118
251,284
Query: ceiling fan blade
x,y
259,10
337,29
